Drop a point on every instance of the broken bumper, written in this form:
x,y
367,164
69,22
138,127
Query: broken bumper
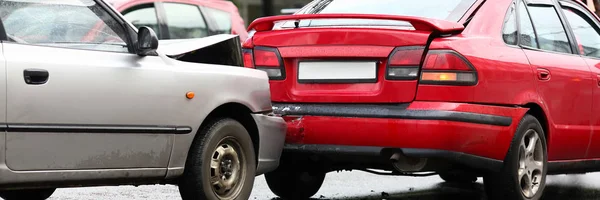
x,y
419,127
271,132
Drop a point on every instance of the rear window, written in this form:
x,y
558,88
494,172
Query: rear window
x,y
451,10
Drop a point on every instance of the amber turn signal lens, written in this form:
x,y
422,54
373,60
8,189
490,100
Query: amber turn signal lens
x,y
433,76
190,95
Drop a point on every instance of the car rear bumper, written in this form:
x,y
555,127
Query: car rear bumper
x,y
421,129
272,131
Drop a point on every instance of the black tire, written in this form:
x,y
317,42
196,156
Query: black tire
x,y
293,183
33,194
217,140
506,184
455,177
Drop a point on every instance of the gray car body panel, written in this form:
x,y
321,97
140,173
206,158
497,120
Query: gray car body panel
x,y
95,89
269,129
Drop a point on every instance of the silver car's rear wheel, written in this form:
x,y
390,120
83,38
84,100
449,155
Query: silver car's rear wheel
x,y
227,168
221,164
531,163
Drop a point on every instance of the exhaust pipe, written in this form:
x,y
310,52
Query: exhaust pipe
x,y
403,163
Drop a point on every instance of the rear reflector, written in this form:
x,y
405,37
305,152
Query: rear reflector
x,y
271,72
400,72
446,67
403,63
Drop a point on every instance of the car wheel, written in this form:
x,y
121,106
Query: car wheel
x,y
523,176
455,177
34,194
221,163
292,183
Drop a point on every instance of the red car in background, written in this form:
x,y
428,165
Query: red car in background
x,y
507,90
183,19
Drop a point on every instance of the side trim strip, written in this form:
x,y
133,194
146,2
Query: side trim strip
x,y
398,111
95,128
573,166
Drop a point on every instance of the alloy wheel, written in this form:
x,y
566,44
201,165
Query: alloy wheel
x,y
531,163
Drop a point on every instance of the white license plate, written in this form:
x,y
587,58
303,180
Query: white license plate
x,y
359,71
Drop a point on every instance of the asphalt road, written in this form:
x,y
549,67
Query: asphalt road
x,y
357,185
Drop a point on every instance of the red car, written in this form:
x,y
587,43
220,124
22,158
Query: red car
x,y
507,90
183,19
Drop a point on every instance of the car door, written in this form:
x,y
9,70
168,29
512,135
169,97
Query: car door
x,y
77,97
2,97
586,30
563,79
146,14
184,21
219,21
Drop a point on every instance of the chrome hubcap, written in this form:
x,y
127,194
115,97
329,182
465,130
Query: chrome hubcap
x,y
226,170
531,163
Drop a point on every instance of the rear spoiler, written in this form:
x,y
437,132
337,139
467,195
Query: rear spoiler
x,y
419,23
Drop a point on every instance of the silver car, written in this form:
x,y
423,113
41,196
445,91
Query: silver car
x,y
88,100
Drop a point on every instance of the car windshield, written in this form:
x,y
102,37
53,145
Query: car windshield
x,y
58,23
451,10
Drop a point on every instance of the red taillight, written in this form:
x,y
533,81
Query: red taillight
x,y
248,58
406,56
446,67
268,60
446,61
404,62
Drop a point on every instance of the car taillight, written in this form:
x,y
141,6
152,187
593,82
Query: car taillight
x,y
446,67
404,62
266,59
248,58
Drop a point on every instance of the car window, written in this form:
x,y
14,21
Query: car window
x,y
550,31
586,34
143,15
509,31
527,35
185,21
222,18
77,24
451,10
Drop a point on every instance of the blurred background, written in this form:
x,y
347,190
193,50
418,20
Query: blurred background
x,y
594,5
252,9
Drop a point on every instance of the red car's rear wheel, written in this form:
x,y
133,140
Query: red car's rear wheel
x,y
289,182
523,176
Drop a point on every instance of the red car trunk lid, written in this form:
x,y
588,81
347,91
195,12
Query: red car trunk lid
x,y
347,64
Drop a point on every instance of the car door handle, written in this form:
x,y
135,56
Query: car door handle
x,y
36,76
543,74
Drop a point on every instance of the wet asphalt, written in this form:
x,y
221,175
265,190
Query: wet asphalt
x,y
358,185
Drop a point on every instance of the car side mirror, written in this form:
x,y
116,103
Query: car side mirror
x,y
147,41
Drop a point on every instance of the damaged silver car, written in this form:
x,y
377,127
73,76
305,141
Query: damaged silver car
x,y
90,100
